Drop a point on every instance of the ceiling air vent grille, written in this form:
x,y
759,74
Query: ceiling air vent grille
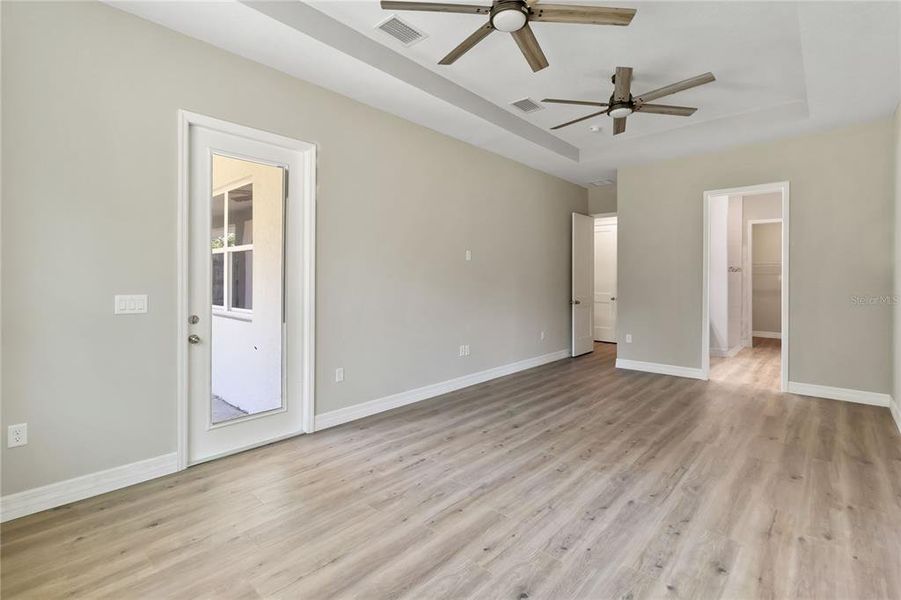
x,y
403,32
527,105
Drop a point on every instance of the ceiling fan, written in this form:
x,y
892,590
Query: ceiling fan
x,y
622,104
514,16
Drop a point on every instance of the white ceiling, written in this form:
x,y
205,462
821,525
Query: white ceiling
x,y
782,69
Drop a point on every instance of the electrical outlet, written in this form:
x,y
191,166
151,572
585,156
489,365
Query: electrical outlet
x,y
339,374
469,255
17,435
542,336
628,338
464,350
467,349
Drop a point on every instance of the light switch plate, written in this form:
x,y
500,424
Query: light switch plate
x,y
130,304
339,374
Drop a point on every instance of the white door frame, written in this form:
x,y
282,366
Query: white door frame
x,y
307,157
783,188
748,266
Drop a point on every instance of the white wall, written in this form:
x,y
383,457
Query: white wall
x,y
734,275
98,90
719,275
842,190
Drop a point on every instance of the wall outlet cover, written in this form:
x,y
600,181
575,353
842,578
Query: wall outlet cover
x,y
17,435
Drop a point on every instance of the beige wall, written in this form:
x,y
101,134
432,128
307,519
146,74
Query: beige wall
x,y
766,288
841,246
90,96
602,199
897,256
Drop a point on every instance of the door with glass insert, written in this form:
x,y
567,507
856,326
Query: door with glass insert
x,y
238,370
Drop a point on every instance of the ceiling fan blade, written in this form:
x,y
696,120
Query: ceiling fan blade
x,y
623,84
471,9
527,43
466,45
619,125
578,102
663,109
591,15
600,112
676,87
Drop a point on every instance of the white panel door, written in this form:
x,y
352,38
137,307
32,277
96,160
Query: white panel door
x,y
605,280
582,283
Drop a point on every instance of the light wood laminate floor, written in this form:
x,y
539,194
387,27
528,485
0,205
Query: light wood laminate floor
x,y
571,480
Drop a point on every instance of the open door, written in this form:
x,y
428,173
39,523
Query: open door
x,y
582,284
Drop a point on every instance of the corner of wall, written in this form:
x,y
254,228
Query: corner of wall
x,y
896,313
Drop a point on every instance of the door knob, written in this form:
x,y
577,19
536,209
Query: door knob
x,y
193,339
575,302
612,298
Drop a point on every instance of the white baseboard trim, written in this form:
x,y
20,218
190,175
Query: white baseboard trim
x,y
726,353
767,334
372,407
52,495
896,414
837,393
662,369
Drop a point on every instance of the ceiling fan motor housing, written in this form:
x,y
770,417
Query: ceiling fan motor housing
x,y
509,15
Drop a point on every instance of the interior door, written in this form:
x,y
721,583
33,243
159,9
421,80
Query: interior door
x,y
605,280
245,249
582,283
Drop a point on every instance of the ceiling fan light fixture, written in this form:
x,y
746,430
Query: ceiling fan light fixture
x,y
509,16
620,110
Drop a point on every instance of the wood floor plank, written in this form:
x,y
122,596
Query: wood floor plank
x,y
570,480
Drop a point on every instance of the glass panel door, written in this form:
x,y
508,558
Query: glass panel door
x,y
247,251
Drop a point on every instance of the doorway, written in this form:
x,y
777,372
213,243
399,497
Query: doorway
x,y
605,229
247,223
593,299
745,289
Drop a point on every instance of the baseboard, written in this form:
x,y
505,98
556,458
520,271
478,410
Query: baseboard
x,y
726,353
837,393
41,498
662,369
896,414
767,334
372,407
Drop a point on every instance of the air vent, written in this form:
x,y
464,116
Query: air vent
x,y
602,182
402,31
527,105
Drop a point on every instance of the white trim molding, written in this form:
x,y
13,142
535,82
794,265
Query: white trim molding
x,y
359,411
660,368
71,490
726,352
767,334
837,393
896,414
